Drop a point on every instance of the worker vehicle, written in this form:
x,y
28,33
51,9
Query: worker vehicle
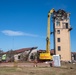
x,y
47,55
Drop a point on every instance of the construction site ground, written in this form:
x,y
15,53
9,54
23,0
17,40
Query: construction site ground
x,y
41,69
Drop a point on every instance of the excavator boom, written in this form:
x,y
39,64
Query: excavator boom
x,y
48,32
47,55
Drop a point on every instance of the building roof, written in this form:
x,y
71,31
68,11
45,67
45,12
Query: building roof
x,y
31,48
73,52
51,51
21,50
24,49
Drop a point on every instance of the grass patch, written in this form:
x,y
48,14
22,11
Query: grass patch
x,y
40,70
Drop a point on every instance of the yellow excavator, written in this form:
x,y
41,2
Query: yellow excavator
x,y
47,55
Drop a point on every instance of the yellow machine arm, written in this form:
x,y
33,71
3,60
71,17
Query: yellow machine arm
x,y
46,55
48,32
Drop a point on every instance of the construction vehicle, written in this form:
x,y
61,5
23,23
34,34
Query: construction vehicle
x,y
47,55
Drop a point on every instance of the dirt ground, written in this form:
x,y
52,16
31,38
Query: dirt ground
x,y
41,69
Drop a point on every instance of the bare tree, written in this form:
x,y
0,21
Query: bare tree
x,y
10,55
1,52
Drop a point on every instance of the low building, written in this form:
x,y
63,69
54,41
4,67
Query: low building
x,y
24,54
73,56
29,54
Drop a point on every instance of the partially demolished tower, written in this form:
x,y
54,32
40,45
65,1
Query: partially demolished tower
x,y
62,29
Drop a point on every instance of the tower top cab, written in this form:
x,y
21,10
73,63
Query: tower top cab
x,y
60,15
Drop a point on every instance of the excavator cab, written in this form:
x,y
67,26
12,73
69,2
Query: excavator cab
x,y
45,56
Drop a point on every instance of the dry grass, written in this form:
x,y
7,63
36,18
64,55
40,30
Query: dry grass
x,y
67,69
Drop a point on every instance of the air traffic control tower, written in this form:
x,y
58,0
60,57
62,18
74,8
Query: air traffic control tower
x,y
62,28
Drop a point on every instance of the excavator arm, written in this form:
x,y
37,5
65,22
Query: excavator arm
x,y
48,31
46,55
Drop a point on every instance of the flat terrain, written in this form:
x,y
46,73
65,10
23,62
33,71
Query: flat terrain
x,y
41,69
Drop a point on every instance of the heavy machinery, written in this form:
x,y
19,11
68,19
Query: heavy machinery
x,y
46,55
